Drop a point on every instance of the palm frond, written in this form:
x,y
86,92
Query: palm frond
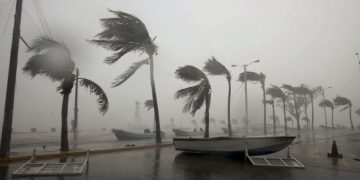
x,y
288,88
43,43
102,100
250,76
342,101
262,79
122,34
149,104
326,103
128,73
190,74
303,90
214,67
275,92
195,97
43,64
343,109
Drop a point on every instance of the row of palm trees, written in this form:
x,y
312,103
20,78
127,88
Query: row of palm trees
x,y
126,33
292,99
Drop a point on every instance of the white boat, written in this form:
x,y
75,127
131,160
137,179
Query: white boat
x,y
254,145
126,135
185,132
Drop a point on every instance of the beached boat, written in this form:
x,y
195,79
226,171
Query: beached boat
x,y
329,127
254,145
234,131
185,132
126,135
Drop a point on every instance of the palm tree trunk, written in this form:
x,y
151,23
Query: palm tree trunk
x,y
207,115
264,101
306,115
228,109
297,116
312,112
352,125
284,109
274,124
332,118
156,108
64,147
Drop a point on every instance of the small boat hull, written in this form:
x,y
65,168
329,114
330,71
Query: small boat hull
x,y
182,132
126,135
238,145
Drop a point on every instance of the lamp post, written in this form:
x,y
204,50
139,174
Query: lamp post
x,y
323,94
246,100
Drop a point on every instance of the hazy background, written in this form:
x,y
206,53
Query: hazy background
x,y
308,41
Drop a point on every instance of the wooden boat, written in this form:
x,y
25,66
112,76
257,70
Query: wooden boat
x,y
185,132
126,135
254,145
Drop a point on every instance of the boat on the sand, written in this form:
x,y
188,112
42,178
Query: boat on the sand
x,y
254,145
186,132
127,135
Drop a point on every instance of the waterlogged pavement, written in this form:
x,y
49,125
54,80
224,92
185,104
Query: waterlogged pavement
x,y
166,163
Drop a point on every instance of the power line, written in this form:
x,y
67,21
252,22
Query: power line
x,y
39,16
44,19
31,20
7,22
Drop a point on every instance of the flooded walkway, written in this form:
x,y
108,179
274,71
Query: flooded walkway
x,y
166,163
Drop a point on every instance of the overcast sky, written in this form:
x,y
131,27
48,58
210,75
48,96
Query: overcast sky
x,y
298,42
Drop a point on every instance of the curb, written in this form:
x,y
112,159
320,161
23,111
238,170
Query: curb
x,y
82,152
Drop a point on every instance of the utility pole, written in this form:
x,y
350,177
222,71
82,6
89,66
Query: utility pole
x,y
10,90
76,109
246,99
246,103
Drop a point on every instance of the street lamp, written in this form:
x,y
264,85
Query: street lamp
x,y
246,100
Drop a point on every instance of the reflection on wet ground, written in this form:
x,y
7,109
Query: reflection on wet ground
x,y
166,163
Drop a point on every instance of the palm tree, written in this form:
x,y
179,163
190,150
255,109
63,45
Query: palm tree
x,y
328,104
149,104
214,67
295,106
255,77
276,92
52,59
197,95
346,104
309,95
123,34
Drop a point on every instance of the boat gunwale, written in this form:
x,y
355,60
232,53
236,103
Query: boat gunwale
x,y
229,138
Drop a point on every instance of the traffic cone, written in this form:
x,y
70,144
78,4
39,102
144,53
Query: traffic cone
x,y
334,151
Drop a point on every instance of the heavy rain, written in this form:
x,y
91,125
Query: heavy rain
x,y
208,89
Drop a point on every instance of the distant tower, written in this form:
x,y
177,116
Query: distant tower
x,y
137,111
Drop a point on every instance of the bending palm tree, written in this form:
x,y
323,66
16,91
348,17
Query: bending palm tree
x,y
125,33
276,92
214,67
255,77
196,95
346,104
293,91
327,104
52,59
